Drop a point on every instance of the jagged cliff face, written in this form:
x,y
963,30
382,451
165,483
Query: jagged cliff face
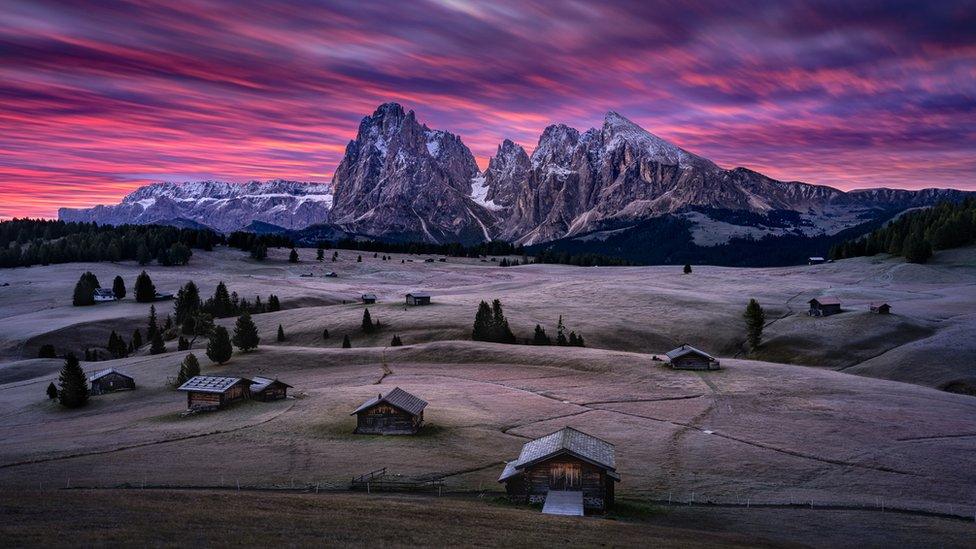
x,y
399,179
218,205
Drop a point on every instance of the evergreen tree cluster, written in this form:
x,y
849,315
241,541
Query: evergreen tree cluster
x,y
189,368
755,321
117,346
396,341
916,234
248,242
369,325
505,262
26,242
84,293
490,324
540,337
225,304
455,249
580,260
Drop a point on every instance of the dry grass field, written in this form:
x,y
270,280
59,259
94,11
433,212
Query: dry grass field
x,y
789,428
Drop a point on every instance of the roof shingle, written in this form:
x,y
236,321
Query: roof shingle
x,y
211,384
397,398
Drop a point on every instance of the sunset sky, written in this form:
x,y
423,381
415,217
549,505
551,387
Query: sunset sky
x,y
97,98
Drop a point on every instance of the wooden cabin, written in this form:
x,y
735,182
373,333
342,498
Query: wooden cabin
x,y
824,306
569,471
213,392
102,295
418,298
816,261
881,308
267,390
687,357
397,413
369,299
111,380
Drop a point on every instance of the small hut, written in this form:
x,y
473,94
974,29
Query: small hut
x,y
881,308
397,413
213,392
110,380
267,390
687,357
418,298
369,299
102,295
569,470
816,260
824,306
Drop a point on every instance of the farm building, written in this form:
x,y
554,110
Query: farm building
x,y
212,392
110,380
816,261
331,274
418,298
881,308
687,357
104,294
369,299
163,296
397,413
266,389
824,306
569,470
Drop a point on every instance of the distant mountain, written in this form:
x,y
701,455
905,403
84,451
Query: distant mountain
x,y
218,205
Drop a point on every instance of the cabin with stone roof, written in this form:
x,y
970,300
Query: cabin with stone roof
x,y
397,413
266,389
687,357
881,308
418,298
214,392
569,471
824,306
111,380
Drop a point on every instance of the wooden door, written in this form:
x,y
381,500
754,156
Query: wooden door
x,y
565,476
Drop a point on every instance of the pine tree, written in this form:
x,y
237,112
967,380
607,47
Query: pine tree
x,y
755,320
687,269
84,293
52,391
153,328
346,344
187,304
118,287
157,346
359,259
561,333
219,349
396,342
540,337
182,344
221,304
320,254
579,341
47,351
293,256
281,334
116,345
189,368
145,289
325,333
500,332
482,323
273,303
136,339
367,323
73,391
246,336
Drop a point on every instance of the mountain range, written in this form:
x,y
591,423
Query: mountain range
x,y
400,180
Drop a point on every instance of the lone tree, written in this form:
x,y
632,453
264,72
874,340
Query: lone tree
x,y
157,347
52,391
153,328
136,339
218,348
84,293
561,333
190,367
187,305
73,391
396,342
755,319
293,256
246,336
47,351
346,344
319,254
490,324
118,287
687,269
145,289
325,333
540,337
368,326
281,334
482,323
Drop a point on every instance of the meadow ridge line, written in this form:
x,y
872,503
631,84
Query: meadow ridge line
x,y
934,437
505,430
143,444
636,400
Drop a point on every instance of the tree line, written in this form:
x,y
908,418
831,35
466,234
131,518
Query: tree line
x,y
916,234
27,242
491,325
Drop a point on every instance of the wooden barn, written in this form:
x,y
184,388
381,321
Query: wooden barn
x,y
418,298
881,308
266,389
369,299
213,392
687,357
397,413
110,380
569,471
102,295
824,306
816,261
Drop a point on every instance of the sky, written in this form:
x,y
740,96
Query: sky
x,y
98,98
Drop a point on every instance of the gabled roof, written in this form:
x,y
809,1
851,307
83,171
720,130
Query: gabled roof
x,y
880,304
686,349
398,398
816,258
105,291
369,296
262,383
565,441
418,294
211,384
825,300
103,373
